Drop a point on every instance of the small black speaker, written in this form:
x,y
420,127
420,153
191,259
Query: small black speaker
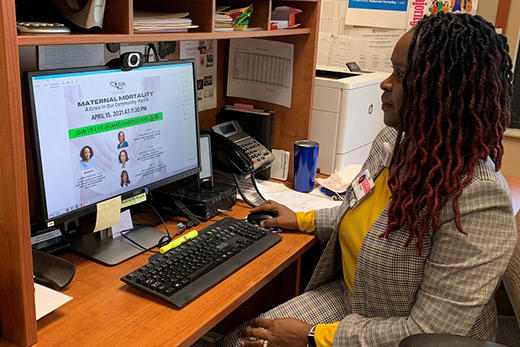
x,y
206,175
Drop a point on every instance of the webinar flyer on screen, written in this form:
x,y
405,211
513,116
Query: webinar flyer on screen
x,y
106,132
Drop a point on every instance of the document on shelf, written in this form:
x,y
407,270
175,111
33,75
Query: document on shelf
x,y
149,22
47,300
261,70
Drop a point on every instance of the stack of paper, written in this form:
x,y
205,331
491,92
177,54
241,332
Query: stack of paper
x,y
223,22
296,201
157,22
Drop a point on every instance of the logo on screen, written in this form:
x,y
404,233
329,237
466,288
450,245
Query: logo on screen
x,y
118,85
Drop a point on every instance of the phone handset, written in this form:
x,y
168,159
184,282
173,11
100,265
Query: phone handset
x,y
228,156
236,151
244,164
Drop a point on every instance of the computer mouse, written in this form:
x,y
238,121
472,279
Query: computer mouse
x,y
256,217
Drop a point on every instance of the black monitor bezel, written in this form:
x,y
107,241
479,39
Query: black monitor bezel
x,y
37,149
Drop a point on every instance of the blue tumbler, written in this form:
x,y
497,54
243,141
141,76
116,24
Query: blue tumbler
x,y
305,161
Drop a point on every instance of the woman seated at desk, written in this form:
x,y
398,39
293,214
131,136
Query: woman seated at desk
x,y
425,250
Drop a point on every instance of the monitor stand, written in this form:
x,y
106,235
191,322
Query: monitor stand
x,y
112,251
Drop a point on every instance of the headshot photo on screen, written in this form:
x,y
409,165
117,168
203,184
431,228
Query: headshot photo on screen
x,y
87,161
123,158
122,142
124,178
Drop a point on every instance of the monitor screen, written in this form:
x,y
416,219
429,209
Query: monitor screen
x,y
103,132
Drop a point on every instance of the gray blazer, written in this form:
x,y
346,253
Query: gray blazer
x,y
448,289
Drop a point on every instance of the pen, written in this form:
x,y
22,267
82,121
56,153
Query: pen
x,y
179,241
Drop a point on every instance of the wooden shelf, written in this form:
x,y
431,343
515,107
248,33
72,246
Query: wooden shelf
x,y
72,39
17,310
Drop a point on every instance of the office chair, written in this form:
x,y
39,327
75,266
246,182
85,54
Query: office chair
x,y
511,282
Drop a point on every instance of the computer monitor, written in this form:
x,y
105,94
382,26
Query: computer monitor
x,y
101,132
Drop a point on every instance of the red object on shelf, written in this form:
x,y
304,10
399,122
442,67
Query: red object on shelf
x,y
284,17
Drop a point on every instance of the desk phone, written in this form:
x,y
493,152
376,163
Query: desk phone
x,y
252,149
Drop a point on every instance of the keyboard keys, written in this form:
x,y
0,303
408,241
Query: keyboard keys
x,y
209,254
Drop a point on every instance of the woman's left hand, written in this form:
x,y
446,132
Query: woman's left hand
x,y
277,332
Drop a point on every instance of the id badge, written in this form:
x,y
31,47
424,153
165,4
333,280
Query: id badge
x,y
362,185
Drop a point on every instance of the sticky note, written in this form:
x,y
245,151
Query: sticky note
x,y
108,213
133,200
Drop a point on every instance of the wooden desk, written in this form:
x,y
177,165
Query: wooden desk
x,y
105,311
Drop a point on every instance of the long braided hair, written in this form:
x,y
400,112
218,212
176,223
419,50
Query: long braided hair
x,y
456,106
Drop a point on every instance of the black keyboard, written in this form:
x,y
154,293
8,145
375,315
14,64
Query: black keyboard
x,y
182,274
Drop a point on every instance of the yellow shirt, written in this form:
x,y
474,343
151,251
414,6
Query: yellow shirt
x,y
352,230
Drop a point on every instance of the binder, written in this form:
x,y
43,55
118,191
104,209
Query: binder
x,y
255,122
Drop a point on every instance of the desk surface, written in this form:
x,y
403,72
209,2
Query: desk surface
x,y
106,311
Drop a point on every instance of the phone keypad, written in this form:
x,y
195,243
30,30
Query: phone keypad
x,y
257,152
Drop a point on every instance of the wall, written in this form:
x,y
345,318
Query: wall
x,y
513,25
511,160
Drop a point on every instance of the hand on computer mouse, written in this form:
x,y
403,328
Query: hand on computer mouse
x,y
285,219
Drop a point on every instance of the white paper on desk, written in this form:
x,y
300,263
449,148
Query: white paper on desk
x,y
61,57
296,201
47,300
205,54
339,181
261,70
125,223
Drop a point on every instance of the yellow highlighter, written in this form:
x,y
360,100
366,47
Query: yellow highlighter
x,y
179,241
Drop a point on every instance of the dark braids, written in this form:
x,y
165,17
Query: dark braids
x,y
456,107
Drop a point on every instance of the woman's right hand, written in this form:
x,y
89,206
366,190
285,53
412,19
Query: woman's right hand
x,y
285,219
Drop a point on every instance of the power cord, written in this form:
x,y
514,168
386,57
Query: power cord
x,y
162,241
168,236
136,243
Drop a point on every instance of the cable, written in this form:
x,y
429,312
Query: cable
x,y
253,180
246,200
162,241
186,207
136,243
162,220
